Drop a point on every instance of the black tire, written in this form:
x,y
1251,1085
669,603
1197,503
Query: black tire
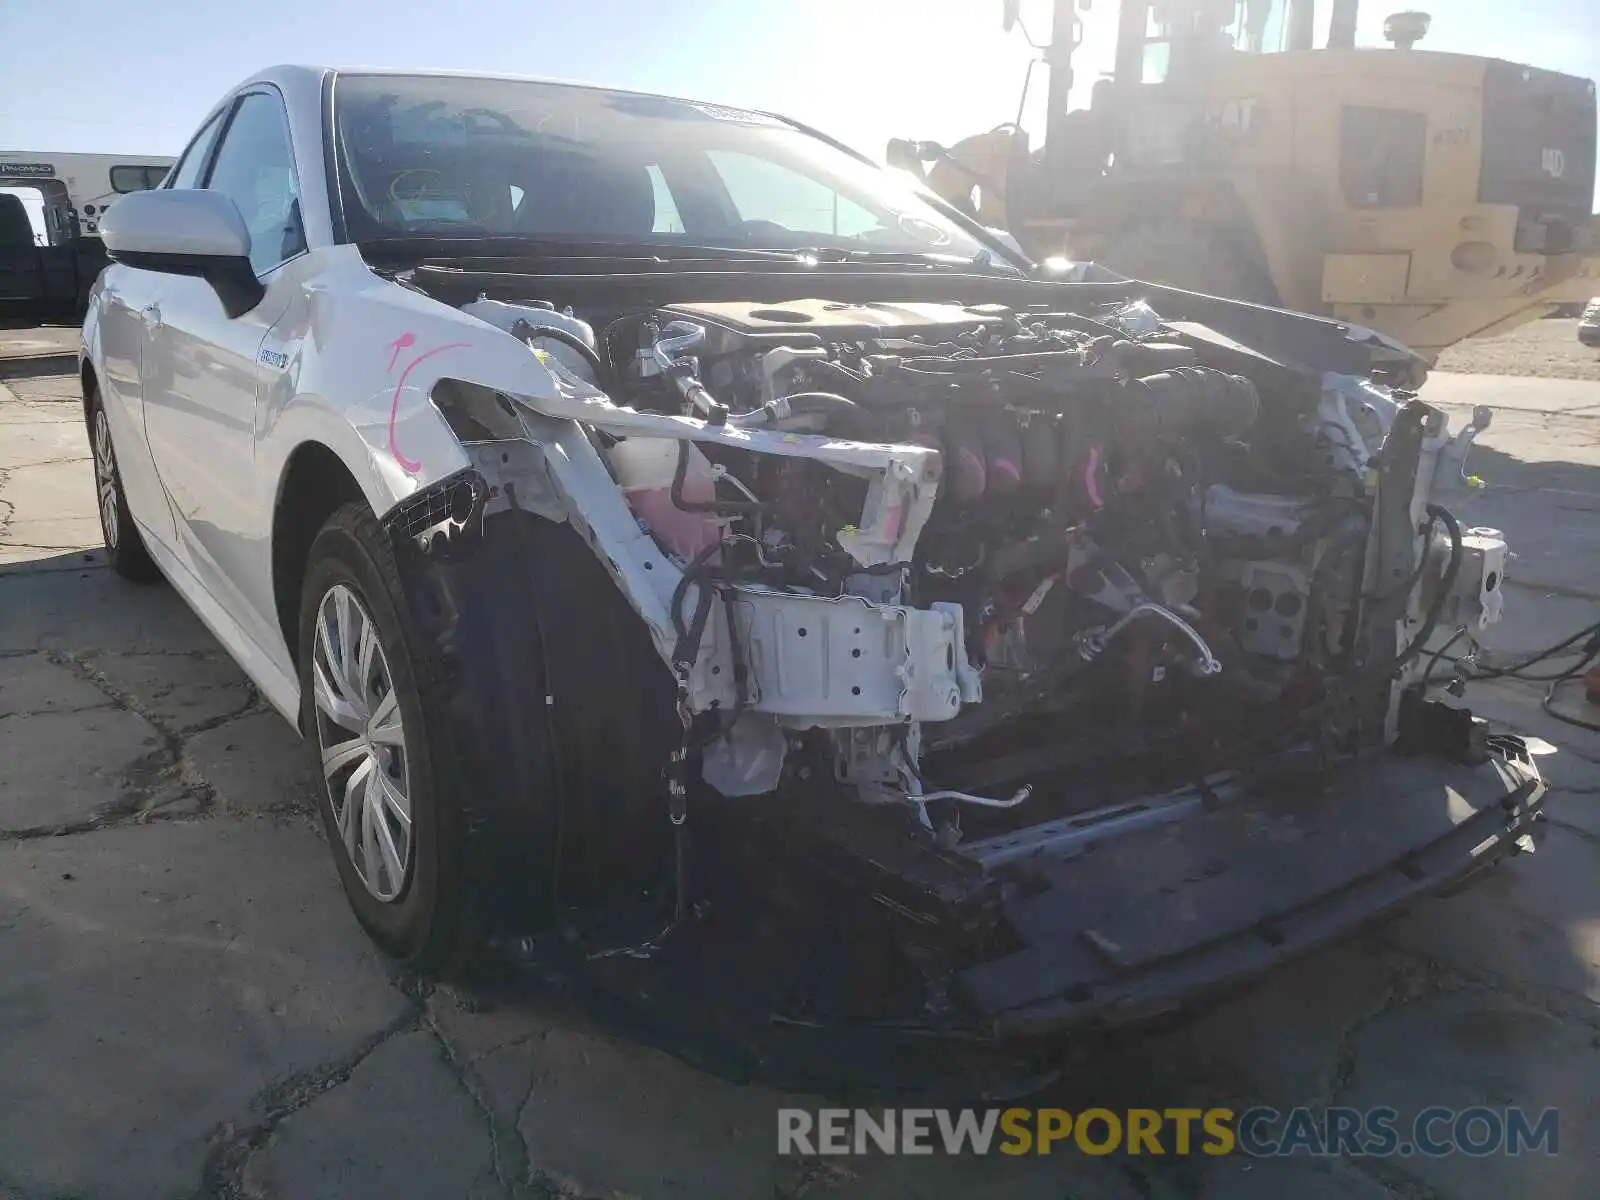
x,y
125,548
1184,257
424,924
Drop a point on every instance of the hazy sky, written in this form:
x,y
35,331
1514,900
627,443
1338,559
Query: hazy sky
x,y
135,76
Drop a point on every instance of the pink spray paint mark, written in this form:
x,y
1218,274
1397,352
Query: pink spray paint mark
x,y
411,466
404,342
892,521
1089,480
1004,466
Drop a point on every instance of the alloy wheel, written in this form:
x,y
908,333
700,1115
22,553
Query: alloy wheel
x,y
362,740
105,470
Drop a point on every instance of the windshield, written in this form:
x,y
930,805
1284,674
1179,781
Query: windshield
x,y
448,156
1204,29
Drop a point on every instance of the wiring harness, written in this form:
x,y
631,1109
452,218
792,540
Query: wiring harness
x,y
1468,668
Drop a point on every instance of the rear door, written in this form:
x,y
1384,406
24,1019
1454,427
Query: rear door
x,y
201,418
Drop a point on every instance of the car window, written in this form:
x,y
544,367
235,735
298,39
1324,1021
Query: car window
x,y
128,178
767,191
450,157
187,173
255,169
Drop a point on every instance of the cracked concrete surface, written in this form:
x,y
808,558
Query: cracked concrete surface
x,y
188,1009
1476,1046
162,982
360,1139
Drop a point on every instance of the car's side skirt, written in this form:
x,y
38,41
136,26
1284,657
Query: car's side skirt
x,y
277,687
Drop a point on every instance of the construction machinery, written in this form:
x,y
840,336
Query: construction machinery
x,y
1239,150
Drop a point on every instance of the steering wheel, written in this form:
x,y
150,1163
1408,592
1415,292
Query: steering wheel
x,y
421,192
500,119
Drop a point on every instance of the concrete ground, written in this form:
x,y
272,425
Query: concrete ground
x,y
187,1008
1547,348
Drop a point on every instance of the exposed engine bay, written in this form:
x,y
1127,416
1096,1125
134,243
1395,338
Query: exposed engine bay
x,y
1060,647
944,554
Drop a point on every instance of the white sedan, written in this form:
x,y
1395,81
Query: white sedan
x,y
563,462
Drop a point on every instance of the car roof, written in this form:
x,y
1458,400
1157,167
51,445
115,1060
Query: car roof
x,y
304,81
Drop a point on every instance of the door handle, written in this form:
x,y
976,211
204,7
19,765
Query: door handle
x,y
151,315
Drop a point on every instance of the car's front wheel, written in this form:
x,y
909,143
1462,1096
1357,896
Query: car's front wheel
x,y
124,544
394,832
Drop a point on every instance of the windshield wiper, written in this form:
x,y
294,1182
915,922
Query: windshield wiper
x,y
920,258
471,247
455,243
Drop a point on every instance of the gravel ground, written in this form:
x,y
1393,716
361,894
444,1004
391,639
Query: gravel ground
x,y
1548,349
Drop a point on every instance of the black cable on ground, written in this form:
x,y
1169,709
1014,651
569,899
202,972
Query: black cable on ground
x,y
1557,677
1588,653
1589,650
1550,695
1592,631
1438,654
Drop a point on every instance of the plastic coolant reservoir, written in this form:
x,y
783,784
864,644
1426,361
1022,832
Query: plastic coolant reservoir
x,y
644,468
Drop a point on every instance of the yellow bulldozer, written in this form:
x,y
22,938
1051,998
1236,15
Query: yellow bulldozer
x,y
1239,150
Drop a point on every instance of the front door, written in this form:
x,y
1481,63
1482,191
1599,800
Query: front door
x,y
126,295
201,420
127,315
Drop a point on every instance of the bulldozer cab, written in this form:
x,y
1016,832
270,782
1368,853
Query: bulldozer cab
x,y
1178,64
1189,70
1162,41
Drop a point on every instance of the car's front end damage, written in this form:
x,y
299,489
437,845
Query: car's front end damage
x,y
1062,642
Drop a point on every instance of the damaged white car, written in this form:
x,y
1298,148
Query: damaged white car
x,y
664,525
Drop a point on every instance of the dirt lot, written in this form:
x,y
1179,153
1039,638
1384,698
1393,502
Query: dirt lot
x,y
1546,349
187,1009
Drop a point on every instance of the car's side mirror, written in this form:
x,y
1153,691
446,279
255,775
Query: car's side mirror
x,y
186,232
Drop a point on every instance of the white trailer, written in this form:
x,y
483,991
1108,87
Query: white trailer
x,y
50,251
